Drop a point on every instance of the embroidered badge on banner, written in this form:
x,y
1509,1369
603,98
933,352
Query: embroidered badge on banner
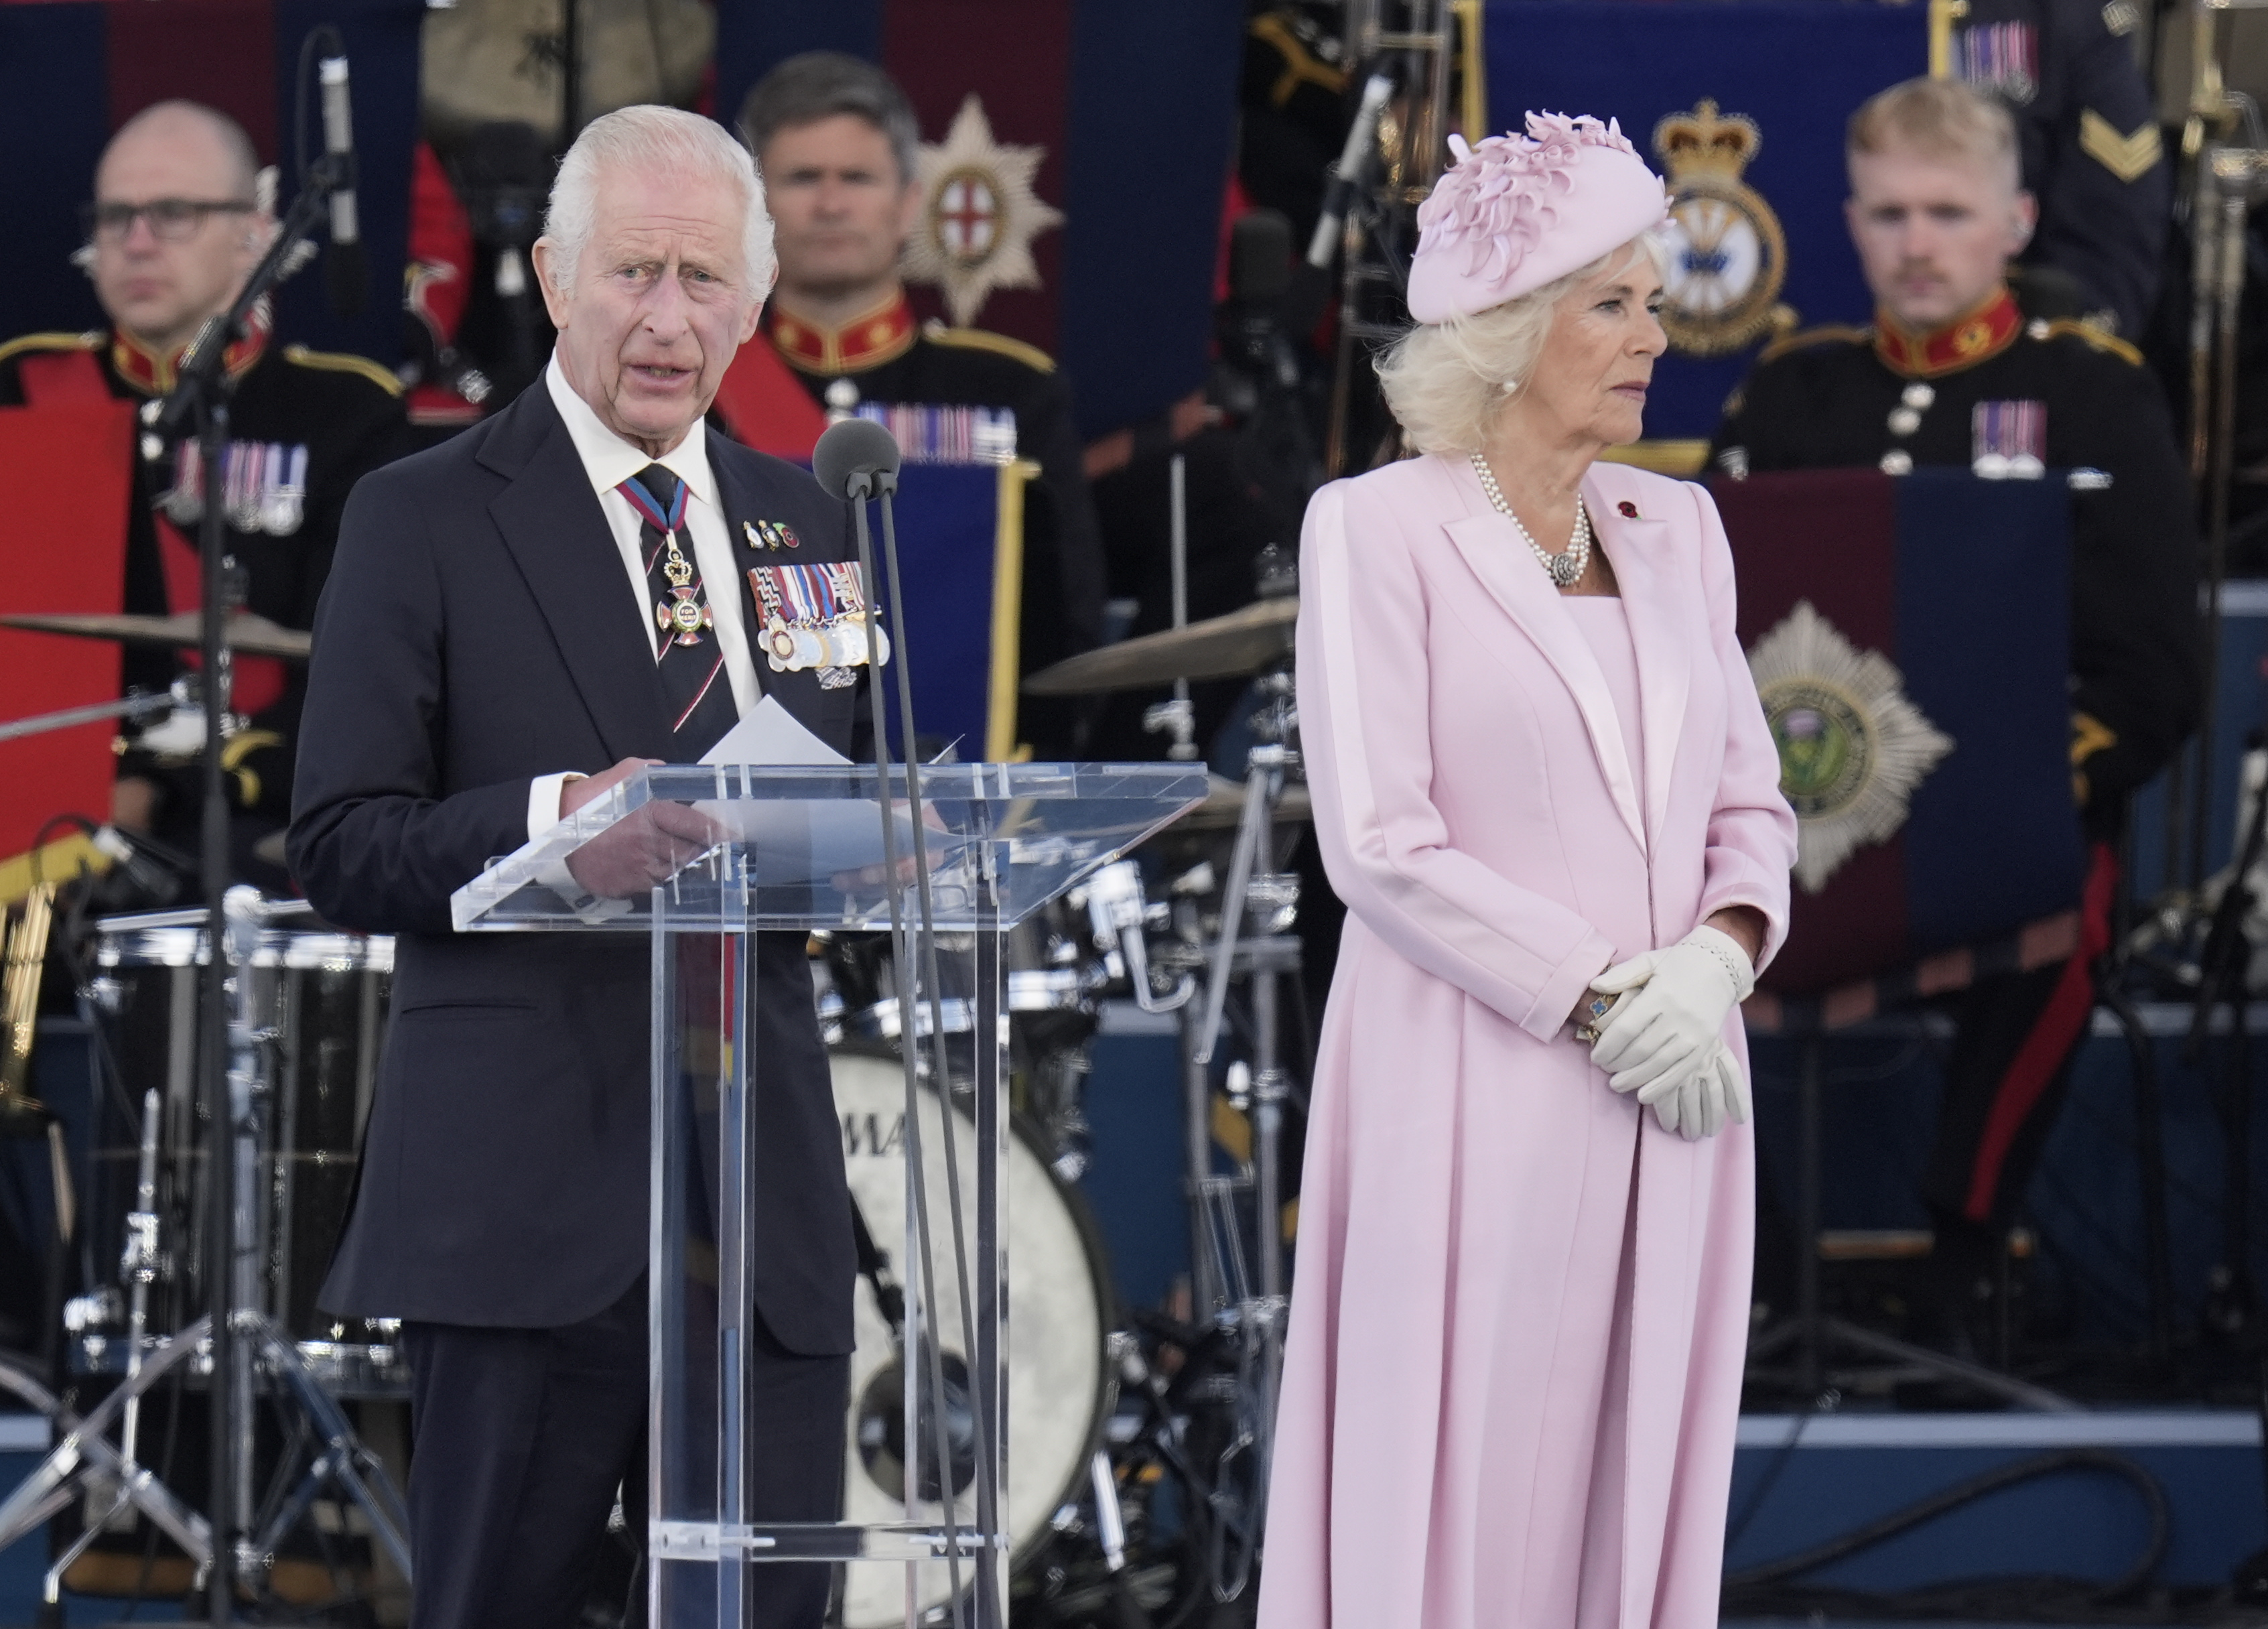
x,y
814,617
2008,440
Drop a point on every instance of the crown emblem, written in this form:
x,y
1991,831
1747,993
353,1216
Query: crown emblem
x,y
1728,254
1705,141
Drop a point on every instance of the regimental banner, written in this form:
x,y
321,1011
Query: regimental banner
x,y
72,71
62,548
1075,156
1741,107
1910,638
960,535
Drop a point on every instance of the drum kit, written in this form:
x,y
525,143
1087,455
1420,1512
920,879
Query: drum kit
x,y
1140,1437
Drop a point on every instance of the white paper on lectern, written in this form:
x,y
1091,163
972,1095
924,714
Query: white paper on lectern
x,y
830,836
771,736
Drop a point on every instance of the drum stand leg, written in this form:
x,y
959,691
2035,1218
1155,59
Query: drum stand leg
x,y
256,1342
1815,1335
84,1454
1239,1491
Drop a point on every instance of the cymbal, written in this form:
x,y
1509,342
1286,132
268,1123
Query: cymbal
x,y
255,636
1221,647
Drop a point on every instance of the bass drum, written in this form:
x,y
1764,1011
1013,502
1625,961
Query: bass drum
x,y
1059,1391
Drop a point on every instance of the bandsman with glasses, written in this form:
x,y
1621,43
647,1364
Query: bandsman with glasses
x,y
176,223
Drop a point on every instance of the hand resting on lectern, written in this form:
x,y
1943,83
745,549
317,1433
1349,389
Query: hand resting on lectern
x,y
647,847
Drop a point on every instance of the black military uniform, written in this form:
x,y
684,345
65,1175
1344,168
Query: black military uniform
x,y
304,426
2092,155
887,355
2072,399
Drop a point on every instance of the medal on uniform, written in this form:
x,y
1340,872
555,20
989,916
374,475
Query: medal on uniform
x,y
283,490
2008,440
814,620
185,502
769,534
242,467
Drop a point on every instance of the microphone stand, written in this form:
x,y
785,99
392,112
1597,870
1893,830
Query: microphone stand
x,y
915,944
200,398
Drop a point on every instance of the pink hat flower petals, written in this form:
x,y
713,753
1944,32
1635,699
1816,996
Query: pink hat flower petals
x,y
1515,212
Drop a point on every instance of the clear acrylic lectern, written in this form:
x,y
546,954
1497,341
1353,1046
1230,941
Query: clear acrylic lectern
x,y
795,849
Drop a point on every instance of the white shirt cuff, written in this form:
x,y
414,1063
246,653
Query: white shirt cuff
x,y
543,802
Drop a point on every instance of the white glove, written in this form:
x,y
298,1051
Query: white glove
x,y
1700,1105
1672,1014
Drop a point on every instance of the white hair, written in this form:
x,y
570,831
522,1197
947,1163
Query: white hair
x,y
651,139
1445,382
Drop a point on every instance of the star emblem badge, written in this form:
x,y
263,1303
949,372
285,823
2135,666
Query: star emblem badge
x,y
1852,747
979,214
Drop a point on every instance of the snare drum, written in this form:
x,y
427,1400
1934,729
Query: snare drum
x,y
320,996
1059,1389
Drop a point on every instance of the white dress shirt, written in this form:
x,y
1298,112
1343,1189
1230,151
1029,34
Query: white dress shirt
x,y
610,460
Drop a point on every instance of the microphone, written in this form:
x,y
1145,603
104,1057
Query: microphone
x,y
1354,158
345,272
857,459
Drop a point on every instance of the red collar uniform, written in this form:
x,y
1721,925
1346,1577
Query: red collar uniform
x,y
305,426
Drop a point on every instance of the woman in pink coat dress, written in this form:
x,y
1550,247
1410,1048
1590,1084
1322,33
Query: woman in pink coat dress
x,y
1545,790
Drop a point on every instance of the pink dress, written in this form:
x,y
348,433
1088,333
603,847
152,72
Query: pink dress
x,y
1519,1308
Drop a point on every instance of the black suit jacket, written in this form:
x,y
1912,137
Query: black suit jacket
x,y
478,633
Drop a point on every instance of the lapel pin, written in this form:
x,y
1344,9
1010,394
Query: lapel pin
x,y
1627,509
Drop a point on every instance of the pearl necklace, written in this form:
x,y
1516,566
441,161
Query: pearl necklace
x,y
1565,569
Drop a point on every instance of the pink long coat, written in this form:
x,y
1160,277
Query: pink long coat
x,y
1519,1309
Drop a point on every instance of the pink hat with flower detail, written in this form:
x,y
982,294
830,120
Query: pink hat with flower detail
x,y
1518,212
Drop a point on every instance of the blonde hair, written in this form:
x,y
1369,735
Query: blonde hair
x,y
1939,119
1445,382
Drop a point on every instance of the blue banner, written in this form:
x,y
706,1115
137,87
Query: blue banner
x,y
1795,72
1911,640
948,518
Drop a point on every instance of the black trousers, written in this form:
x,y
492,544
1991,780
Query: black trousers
x,y
520,1439
2016,1038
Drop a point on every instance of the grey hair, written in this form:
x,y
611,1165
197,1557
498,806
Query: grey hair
x,y
653,138
821,84
1446,381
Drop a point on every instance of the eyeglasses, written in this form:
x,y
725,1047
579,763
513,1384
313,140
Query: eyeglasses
x,y
174,220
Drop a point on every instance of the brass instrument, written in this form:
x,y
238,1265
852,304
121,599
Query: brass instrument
x,y
25,956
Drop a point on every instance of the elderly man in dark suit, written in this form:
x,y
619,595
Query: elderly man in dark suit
x,y
564,588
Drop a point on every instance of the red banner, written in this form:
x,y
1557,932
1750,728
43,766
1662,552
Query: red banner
x,y
67,471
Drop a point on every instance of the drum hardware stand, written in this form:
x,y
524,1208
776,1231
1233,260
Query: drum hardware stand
x,y
257,1342
2232,1305
1117,914
1177,715
1813,1334
85,1455
259,1345
200,398
154,705
1225,1292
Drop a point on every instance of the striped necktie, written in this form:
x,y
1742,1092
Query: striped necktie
x,y
687,653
